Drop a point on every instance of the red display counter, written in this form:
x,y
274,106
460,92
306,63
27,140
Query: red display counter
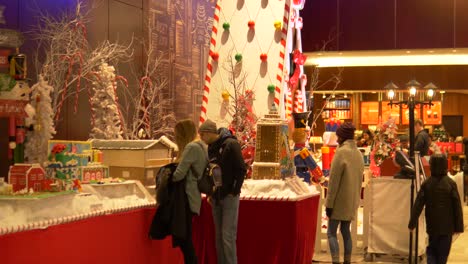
x,y
269,232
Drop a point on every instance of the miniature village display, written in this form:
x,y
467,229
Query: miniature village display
x,y
69,164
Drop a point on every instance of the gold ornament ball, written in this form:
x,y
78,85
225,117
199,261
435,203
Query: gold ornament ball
x,y
277,25
225,95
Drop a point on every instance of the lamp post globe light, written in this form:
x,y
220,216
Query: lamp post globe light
x,y
413,87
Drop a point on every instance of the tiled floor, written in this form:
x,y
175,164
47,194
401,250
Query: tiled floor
x,y
458,253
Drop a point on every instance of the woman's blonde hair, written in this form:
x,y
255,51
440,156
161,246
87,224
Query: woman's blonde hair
x,y
185,132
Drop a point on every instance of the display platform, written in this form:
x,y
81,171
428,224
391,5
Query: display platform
x,y
269,232
21,213
118,238
388,204
277,231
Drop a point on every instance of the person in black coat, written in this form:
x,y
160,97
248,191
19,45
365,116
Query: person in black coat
x,y
225,150
444,215
422,140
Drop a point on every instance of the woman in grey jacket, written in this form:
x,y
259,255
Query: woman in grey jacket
x,y
344,191
192,161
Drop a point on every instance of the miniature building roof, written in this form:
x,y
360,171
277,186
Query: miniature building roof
x,y
132,144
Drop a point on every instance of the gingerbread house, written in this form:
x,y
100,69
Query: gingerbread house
x,y
27,176
135,159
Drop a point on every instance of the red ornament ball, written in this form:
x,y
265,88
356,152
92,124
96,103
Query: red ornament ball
x,y
215,56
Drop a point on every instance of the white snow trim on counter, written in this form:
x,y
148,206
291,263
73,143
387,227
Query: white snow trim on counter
x,y
66,219
290,189
24,215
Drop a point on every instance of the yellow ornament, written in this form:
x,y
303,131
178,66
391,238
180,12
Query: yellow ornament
x,y
277,24
225,95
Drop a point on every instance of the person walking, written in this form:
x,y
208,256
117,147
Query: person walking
x,y
344,191
422,140
444,213
224,149
191,159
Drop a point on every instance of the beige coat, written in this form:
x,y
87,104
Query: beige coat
x,y
344,187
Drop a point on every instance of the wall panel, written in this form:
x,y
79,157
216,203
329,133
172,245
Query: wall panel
x,y
320,25
424,24
461,23
366,24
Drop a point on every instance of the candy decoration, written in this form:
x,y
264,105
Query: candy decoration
x,y
251,24
271,88
238,57
215,56
263,57
298,4
226,26
277,25
206,87
225,95
279,75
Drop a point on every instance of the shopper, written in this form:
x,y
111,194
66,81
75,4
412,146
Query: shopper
x,y
224,149
422,140
344,191
192,161
366,140
444,215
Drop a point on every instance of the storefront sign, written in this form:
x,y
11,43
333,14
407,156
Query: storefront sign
x,y
405,117
390,111
12,108
432,115
369,113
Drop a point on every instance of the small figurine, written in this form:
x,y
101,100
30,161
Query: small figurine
x,y
77,185
303,160
332,124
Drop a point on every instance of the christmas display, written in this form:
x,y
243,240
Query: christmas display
x,y
272,152
385,142
306,167
107,119
42,123
237,39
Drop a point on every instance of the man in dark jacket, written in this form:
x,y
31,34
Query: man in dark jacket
x,y
224,149
422,140
444,215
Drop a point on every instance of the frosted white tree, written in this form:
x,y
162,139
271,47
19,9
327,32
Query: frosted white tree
x,y
65,57
106,121
37,139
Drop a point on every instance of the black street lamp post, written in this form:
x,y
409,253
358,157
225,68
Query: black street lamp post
x,y
411,103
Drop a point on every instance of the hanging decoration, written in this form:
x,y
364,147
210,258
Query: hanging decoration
x,y
277,25
271,88
215,56
238,57
225,95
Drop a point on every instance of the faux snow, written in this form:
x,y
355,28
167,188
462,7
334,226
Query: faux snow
x,y
292,188
25,214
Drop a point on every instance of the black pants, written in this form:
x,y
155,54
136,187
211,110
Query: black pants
x,y
438,249
186,245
